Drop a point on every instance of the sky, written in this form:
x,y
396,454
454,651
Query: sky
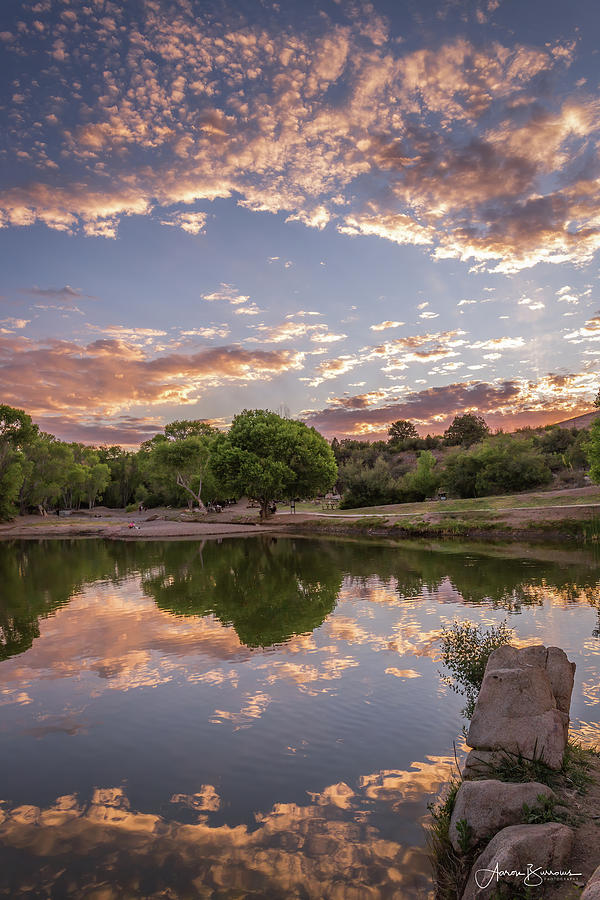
x,y
355,212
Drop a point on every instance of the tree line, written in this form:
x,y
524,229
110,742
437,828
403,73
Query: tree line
x,y
466,461
262,456
268,458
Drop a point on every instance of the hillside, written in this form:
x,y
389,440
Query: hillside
x,y
583,421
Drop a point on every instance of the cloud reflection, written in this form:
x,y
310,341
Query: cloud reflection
x,y
327,847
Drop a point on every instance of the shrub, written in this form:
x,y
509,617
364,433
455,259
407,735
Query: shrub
x,y
465,651
500,465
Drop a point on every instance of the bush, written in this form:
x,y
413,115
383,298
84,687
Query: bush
x,y
364,486
466,649
423,481
500,465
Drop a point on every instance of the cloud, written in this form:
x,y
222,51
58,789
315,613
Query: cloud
x,y
65,296
589,332
531,304
289,330
504,403
333,368
446,148
192,222
15,323
382,326
111,375
228,293
209,332
398,353
501,343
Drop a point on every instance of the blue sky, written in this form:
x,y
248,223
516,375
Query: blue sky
x,y
362,211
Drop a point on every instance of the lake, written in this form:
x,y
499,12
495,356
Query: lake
x,y
260,717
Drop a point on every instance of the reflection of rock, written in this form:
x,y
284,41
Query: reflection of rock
x,y
514,849
516,712
490,805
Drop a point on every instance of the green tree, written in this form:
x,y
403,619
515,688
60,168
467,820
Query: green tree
x,y
402,430
125,475
424,480
185,462
17,431
501,465
50,467
268,457
364,485
597,400
592,450
185,428
466,430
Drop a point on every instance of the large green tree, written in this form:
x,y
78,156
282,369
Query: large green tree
x,y
17,432
185,462
500,465
402,430
268,457
49,472
466,430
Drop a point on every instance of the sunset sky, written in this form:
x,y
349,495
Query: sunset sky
x,y
362,211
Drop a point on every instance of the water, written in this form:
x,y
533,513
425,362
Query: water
x,y
253,717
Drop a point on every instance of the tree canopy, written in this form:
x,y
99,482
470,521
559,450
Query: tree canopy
x,y
466,430
268,457
402,430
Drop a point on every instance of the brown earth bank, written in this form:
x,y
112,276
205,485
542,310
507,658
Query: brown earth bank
x,y
576,518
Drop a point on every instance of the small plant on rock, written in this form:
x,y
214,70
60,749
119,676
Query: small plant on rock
x,y
466,648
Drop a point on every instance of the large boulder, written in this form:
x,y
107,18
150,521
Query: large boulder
x,y
488,806
516,712
592,888
561,672
518,856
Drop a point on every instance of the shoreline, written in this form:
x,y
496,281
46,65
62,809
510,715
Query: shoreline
x,y
549,524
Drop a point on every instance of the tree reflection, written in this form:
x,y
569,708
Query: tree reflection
x,y
38,577
267,590
270,589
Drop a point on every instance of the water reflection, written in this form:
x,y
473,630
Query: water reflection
x,y
327,847
267,596
269,589
252,716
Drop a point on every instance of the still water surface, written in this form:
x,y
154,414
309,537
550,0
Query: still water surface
x,y
249,718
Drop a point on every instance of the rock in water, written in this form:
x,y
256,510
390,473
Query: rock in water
x,y
560,671
516,712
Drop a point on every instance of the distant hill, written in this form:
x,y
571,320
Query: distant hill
x,y
583,421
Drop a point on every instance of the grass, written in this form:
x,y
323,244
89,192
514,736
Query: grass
x,y
574,773
531,500
450,868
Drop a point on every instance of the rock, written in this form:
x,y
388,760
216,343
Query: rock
x,y
560,671
519,849
490,805
592,888
481,764
516,711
